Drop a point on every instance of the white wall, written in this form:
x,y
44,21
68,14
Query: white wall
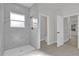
x,y
34,33
43,27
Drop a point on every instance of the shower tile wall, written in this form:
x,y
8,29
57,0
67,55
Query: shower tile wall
x,y
15,37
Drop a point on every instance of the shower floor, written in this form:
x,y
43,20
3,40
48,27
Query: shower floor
x,y
19,51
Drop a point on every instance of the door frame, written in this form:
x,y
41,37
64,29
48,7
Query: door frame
x,y
41,14
77,25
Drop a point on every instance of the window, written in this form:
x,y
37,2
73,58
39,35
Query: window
x,y
35,21
17,20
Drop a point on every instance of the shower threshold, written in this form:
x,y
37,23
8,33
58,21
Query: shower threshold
x,y
19,51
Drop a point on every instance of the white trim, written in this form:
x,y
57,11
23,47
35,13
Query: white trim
x,y
78,33
40,14
69,29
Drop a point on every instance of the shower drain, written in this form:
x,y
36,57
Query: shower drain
x,y
21,50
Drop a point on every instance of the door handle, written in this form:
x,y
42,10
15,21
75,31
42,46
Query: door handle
x,y
58,32
32,28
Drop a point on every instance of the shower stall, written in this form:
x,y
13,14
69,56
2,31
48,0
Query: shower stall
x,y
19,36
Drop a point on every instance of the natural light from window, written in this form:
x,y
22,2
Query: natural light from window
x,y
17,20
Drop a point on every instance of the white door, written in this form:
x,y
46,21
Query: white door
x,y
60,33
66,29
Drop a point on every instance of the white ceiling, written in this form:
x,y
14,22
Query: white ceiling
x,y
58,6
48,5
27,4
54,6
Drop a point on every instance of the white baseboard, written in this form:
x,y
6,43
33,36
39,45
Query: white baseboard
x,y
66,40
51,43
42,39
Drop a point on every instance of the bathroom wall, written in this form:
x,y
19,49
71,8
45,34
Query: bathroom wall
x,y
34,33
15,37
43,27
1,29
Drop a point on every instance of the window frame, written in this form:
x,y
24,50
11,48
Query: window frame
x,y
17,20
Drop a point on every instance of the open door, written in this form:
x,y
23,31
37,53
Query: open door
x,y
60,37
66,29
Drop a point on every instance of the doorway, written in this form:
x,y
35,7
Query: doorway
x,y
44,33
71,30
